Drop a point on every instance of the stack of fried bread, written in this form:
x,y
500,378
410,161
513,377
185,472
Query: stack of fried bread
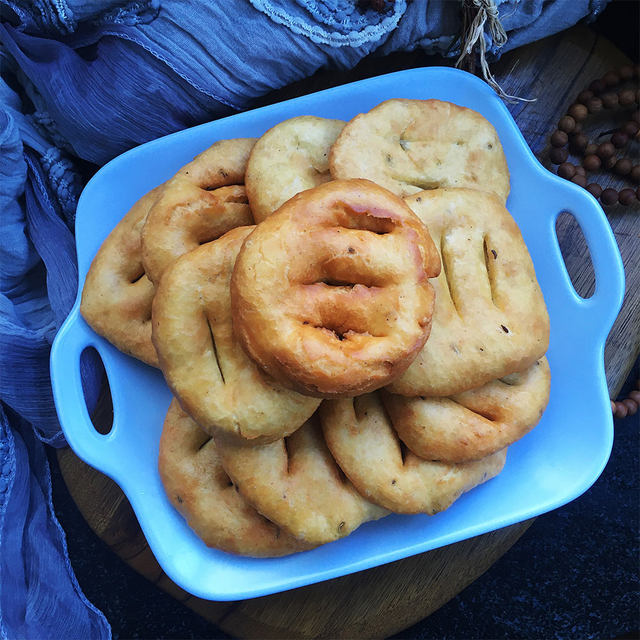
x,y
346,314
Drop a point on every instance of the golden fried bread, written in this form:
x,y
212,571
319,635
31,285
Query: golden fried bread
x,y
490,318
117,294
331,294
411,145
473,424
203,201
198,487
296,484
203,363
369,452
289,158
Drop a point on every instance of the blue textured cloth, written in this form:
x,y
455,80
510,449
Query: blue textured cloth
x,y
84,80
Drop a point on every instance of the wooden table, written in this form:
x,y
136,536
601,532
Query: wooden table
x,y
383,600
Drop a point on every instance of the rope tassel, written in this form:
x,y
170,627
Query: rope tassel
x,y
476,14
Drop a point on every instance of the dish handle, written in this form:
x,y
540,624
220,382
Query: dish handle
x,y
70,342
605,303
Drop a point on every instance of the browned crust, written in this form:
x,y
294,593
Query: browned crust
x,y
365,445
201,202
198,487
331,295
291,157
473,424
490,319
296,483
117,294
410,145
203,363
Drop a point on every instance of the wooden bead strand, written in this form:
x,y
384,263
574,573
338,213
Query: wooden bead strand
x,y
604,93
629,405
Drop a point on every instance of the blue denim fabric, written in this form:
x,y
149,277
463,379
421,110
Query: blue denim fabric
x,y
83,81
39,595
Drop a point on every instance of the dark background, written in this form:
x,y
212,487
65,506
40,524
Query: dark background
x,y
574,573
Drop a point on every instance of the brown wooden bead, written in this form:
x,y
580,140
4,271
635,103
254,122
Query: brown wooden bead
x,y
632,407
577,129
591,149
584,96
635,116
558,155
581,181
606,150
559,138
566,170
635,396
611,79
610,100
580,171
594,189
592,163
579,142
609,197
595,105
619,139
630,128
620,411
627,97
623,167
635,173
626,72
566,124
597,86
627,197
579,111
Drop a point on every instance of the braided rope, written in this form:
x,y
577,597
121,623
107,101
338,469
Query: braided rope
x,y
476,15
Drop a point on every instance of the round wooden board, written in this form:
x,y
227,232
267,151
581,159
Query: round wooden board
x,y
369,604
387,599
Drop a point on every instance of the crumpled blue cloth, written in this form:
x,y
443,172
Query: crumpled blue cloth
x,y
83,81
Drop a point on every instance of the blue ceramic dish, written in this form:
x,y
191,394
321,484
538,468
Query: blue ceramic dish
x,y
552,465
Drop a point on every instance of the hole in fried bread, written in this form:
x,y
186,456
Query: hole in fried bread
x,y
423,185
404,451
96,390
490,256
360,409
338,283
446,273
215,349
336,276
139,274
205,443
341,334
574,249
364,218
208,239
229,187
287,453
483,413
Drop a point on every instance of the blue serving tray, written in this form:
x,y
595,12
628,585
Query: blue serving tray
x,y
555,463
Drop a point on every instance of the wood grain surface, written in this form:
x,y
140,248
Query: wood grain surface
x,y
386,599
